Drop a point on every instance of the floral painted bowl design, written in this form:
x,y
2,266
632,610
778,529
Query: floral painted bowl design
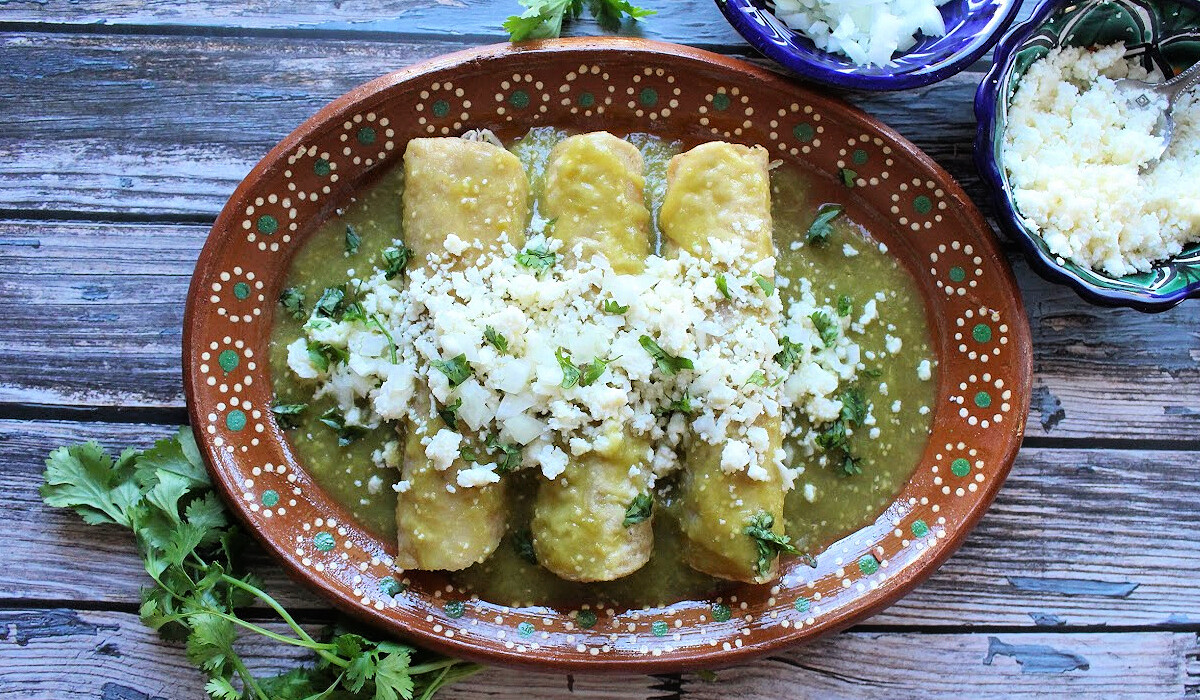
x,y
972,27
979,331
1163,35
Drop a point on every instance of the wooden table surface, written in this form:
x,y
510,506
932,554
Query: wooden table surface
x,y
125,125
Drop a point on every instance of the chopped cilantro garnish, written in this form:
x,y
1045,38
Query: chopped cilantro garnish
x,y
723,286
789,353
523,545
847,176
769,543
287,413
353,240
612,307
828,329
449,414
391,341
467,453
759,378
768,286
845,306
509,457
833,437
593,370
683,404
639,510
330,301
323,355
292,300
872,373
667,363
570,372
346,433
821,228
395,259
851,465
457,370
854,406
539,258
496,340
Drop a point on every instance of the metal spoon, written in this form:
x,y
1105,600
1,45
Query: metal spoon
x,y
1143,94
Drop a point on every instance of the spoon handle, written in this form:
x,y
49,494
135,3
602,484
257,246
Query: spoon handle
x,y
1181,83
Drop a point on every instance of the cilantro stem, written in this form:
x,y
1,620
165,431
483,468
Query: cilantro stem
x,y
247,677
264,597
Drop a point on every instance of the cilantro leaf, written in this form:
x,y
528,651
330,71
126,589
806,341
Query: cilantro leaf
x,y
593,370
346,433
539,259
323,355
612,307
523,545
510,454
288,413
640,509
723,286
292,300
571,373
768,286
85,479
854,406
330,301
608,13
826,327
496,340
395,259
543,19
449,414
667,363
683,404
845,306
352,240
768,542
821,228
758,378
789,354
847,176
851,465
457,370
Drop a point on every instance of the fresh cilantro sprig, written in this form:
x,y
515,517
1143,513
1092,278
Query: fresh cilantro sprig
x,y
190,550
821,228
543,19
539,258
640,509
288,414
395,259
346,432
826,327
496,339
834,438
667,363
610,306
457,369
768,542
292,300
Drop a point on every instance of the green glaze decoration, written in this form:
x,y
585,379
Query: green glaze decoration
x,y
859,156
802,605
957,274
804,132
267,224
270,498
586,619
720,612
241,290
324,541
321,167
923,204
525,629
454,608
519,99
441,108
659,628
389,587
982,332
983,399
235,420
919,528
720,102
228,360
366,136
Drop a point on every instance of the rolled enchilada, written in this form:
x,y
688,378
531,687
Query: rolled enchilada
x,y
594,195
478,192
722,190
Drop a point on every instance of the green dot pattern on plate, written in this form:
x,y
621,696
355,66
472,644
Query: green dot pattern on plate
x,y
270,498
586,619
389,587
720,612
366,136
960,467
267,224
648,97
659,628
441,108
868,564
859,156
321,167
923,205
983,399
587,99
323,541
241,290
804,132
228,359
982,332
525,629
720,102
957,274
235,420
519,99
919,528
455,609
802,605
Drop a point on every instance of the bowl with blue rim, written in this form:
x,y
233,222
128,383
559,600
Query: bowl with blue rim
x,y
1162,35
972,27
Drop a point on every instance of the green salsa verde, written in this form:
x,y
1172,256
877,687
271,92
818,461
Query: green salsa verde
x,y
824,505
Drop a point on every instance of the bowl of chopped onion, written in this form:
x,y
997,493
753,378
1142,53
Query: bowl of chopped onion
x,y
871,44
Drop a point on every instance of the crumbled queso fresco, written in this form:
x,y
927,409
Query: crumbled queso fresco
x,y
548,361
1075,149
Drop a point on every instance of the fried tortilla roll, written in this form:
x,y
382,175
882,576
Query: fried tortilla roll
x,y
476,191
593,192
722,190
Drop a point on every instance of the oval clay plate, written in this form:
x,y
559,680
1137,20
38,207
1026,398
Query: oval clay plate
x,y
979,331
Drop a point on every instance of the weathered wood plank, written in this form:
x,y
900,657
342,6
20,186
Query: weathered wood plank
x,y
696,22
1077,537
78,137
99,308
111,655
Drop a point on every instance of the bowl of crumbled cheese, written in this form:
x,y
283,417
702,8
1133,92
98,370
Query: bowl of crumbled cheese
x,y
871,44
1074,163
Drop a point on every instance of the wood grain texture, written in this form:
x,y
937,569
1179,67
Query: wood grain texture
x,y
100,307
1043,555
111,655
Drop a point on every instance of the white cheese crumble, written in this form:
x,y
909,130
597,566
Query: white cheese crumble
x,y
1075,149
924,371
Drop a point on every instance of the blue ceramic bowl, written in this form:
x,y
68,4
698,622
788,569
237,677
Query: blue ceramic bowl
x,y
1163,34
972,26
